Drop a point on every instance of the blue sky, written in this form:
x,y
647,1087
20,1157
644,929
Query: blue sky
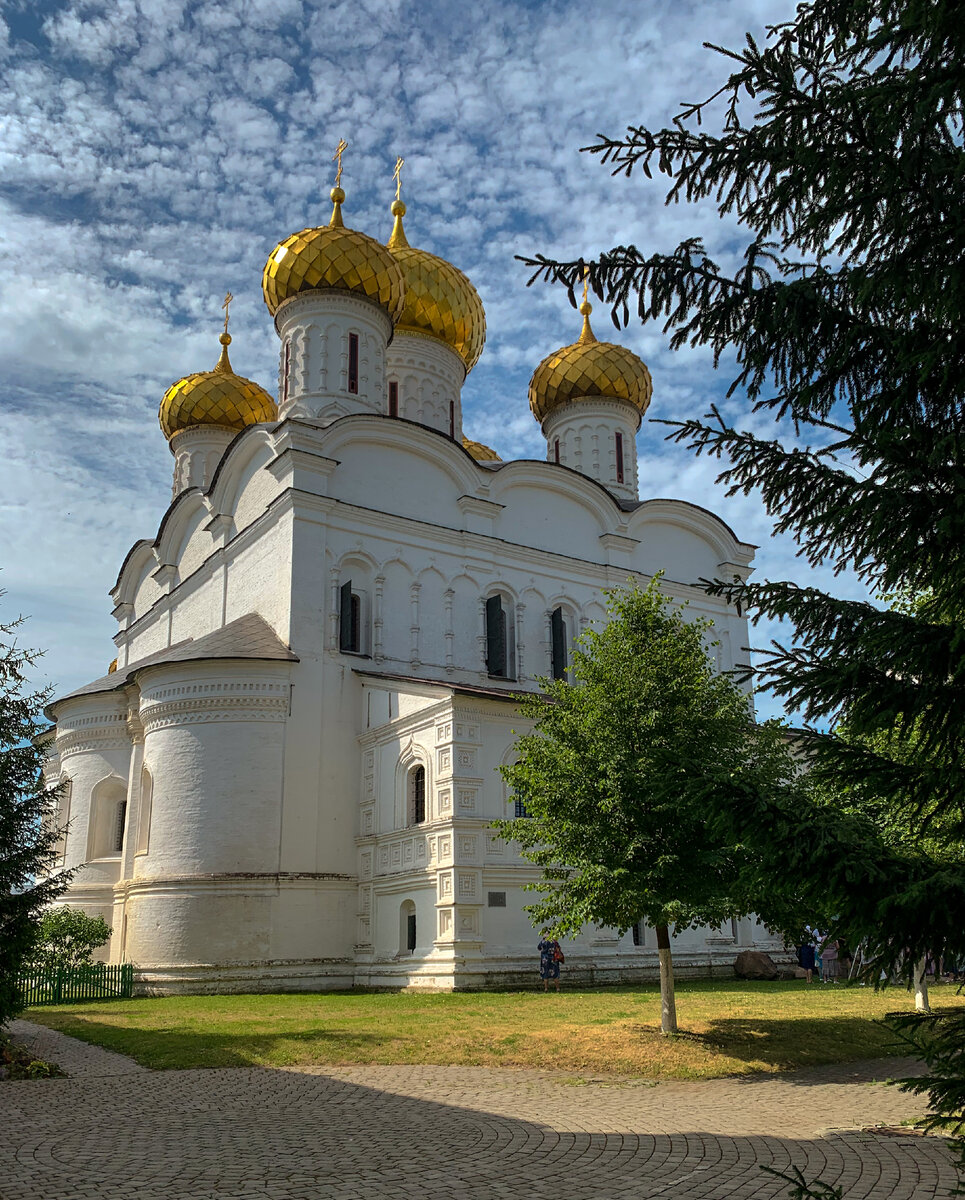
x,y
152,153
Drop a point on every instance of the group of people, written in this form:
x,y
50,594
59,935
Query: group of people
x,y
828,957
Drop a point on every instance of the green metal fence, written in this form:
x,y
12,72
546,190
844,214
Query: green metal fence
x,y
69,985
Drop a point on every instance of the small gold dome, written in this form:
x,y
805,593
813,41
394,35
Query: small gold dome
x,y
440,301
480,452
218,397
588,369
333,257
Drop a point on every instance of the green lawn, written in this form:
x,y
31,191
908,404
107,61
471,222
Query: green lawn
x,y
726,1028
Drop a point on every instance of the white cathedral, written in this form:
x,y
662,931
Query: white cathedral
x,y
288,778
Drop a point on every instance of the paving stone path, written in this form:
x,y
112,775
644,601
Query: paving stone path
x,y
113,1130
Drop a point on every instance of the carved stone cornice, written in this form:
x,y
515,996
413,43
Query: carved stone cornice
x,y
201,703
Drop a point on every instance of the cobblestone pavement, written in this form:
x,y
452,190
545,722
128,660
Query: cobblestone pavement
x,y
439,1133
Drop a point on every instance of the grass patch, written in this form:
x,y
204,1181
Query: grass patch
x,y
727,1028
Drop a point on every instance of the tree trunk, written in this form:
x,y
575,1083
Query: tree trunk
x,y
668,1006
921,988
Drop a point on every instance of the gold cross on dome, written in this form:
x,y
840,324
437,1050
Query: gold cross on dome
x,y
227,300
337,157
397,176
586,282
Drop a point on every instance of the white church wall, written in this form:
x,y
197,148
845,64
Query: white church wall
x,y
147,591
94,750
258,575
253,489
196,543
197,609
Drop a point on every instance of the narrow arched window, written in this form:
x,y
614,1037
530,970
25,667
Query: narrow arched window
x,y
417,795
496,641
558,643
619,456
285,368
393,398
353,362
556,449
452,418
349,619
120,816
638,938
408,937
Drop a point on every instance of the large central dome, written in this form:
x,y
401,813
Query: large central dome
x,y
440,301
333,257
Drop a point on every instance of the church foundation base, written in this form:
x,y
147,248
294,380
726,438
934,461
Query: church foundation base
x,y
327,975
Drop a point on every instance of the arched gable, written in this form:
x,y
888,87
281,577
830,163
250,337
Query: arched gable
x,y
185,542
241,488
555,509
399,466
686,542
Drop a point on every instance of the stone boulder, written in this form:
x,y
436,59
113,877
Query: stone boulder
x,y
755,964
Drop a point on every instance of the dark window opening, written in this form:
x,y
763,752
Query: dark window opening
x,y
619,441
496,899
452,418
353,362
393,398
556,450
349,620
638,934
519,809
417,796
496,637
410,942
558,626
119,818
287,364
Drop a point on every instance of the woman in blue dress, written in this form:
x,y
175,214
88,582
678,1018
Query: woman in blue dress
x,y
550,957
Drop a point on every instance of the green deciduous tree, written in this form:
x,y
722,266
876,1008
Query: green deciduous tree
x,y
68,937
28,837
623,769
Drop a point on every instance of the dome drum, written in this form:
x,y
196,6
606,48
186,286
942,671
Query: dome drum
x,y
332,357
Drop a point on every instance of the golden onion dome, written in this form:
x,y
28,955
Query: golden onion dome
x,y
218,397
480,452
588,370
336,258
440,301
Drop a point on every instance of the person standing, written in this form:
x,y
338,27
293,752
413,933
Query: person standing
x,y
829,961
550,957
805,959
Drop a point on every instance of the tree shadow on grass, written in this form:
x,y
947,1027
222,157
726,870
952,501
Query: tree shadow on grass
x,y
184,1048
793,1044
